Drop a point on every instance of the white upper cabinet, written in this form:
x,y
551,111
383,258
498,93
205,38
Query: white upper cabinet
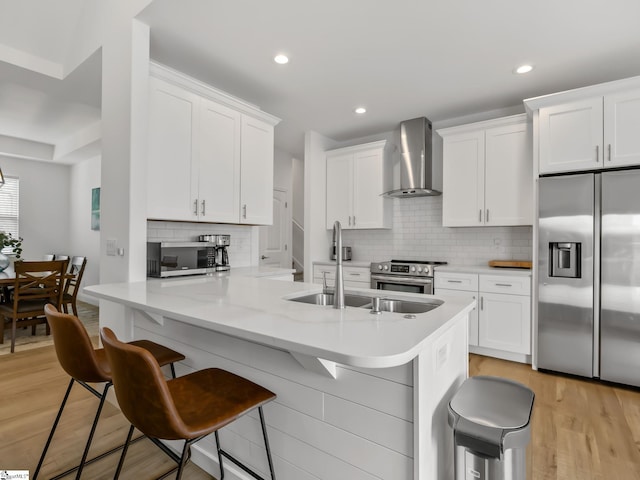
x,y
256,172
219,159
463,179
173,121
621,126
487,173
571,136
210,156
339,189
356,179
589,128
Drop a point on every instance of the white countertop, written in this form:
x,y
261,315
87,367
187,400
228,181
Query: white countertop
x,y
255,309
345,263
257,271
484,269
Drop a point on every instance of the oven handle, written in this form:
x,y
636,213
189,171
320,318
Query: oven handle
x,y
409,280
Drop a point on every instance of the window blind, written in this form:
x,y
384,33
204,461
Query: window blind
x,y
9,207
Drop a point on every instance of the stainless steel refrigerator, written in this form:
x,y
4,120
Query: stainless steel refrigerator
x,y
589,275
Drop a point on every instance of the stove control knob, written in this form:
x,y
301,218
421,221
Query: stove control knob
x,y
413,269
386,267
419,269
379,267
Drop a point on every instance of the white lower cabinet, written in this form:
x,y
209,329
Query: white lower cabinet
x,y
461,285
354,276
500,325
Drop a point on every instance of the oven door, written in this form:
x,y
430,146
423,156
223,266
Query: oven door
x,y
402,284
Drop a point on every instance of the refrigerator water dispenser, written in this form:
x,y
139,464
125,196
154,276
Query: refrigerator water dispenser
x,y
565,259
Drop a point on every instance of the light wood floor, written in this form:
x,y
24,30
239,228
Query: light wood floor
x,y
32,385
581,430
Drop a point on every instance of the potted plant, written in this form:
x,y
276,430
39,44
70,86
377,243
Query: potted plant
x,y
8,241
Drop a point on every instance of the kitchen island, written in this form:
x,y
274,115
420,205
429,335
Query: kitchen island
x,y
360,396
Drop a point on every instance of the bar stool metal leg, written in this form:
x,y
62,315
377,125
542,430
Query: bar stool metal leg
x,y
223,453
53,429
93,429
266,443
124,453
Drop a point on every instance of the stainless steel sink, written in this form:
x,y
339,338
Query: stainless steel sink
x,y
407,306
364,301
350,300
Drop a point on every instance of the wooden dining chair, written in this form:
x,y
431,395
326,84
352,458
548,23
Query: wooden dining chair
x,y
48,257
60,257
72,284
36,284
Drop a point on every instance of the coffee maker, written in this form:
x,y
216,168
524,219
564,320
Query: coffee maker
x,y
222,254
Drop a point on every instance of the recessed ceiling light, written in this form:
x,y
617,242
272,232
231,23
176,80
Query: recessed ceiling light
x,y
281,59
360,110
523,69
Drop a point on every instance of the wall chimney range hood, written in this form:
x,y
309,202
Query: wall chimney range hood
x,y
416,162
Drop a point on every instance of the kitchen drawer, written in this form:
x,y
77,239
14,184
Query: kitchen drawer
x,y
456,281
513,285
349,274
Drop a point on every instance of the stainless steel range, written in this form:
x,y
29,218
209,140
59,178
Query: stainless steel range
x,y
414,276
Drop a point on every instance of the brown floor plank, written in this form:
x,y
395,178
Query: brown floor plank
x,y
580,429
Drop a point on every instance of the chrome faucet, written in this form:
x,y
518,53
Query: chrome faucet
x,y
338,291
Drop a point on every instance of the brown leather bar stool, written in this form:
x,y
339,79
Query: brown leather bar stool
x,y
187,408
86,364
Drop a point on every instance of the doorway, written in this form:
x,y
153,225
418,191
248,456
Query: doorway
x,y
276,238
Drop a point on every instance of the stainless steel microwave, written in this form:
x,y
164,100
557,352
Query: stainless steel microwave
x,y
172,259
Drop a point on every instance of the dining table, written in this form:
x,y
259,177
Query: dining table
x,y
7,276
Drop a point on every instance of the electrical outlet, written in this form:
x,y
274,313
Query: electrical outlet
x,y
112,246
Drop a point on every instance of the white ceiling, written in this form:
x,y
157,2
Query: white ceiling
x,y
400,59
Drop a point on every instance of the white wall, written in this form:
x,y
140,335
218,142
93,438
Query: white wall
x,y
317,239
44,205
297,213
84,176
282,170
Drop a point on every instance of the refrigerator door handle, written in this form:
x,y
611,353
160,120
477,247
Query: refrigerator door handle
x,y
597,224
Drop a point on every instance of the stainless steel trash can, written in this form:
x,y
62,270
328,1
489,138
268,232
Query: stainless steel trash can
x,y
490,417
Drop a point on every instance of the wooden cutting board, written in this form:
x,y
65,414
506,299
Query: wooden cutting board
x,y
510,263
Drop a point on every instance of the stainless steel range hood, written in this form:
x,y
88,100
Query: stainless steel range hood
x,y
416,164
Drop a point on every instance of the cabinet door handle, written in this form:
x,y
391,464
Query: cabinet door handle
x,y
354,274
349,220
486,217
244,211
354,220
203,210
609,148
454,281
481,303
597,153
195,207
504,285
480,216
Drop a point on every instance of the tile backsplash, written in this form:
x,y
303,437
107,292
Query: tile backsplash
x,y
239,251
418,234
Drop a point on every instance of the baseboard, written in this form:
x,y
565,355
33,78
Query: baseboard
x,y
88,299
491,352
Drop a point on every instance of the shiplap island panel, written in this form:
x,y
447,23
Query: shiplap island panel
x,y
381,416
